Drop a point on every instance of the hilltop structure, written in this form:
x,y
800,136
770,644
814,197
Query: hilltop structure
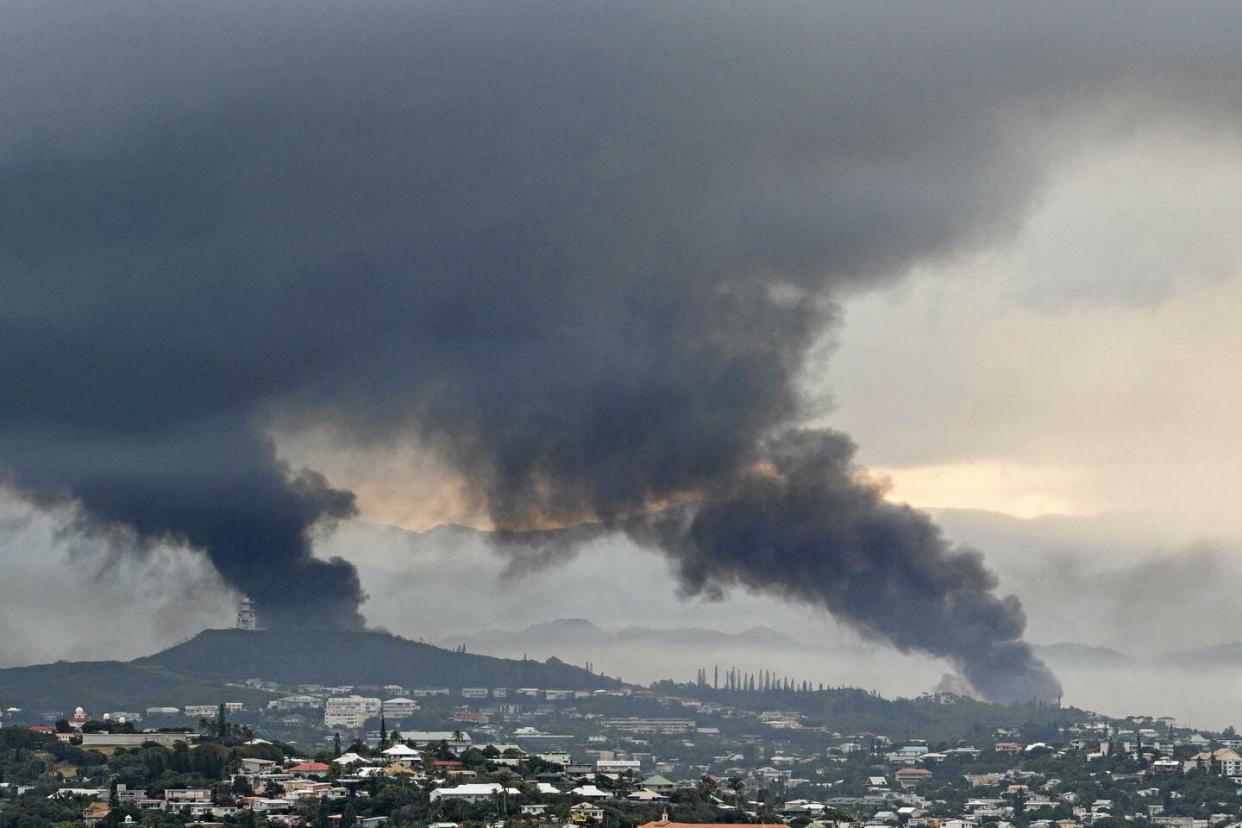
x,y
247,618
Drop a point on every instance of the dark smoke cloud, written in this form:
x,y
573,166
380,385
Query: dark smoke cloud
x,y
814,530
216,486
582,249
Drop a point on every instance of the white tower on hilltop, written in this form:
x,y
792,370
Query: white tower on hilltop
x,y
247,619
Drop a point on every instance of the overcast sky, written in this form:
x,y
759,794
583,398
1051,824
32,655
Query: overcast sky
x,y
1089,364
514,265
1085,363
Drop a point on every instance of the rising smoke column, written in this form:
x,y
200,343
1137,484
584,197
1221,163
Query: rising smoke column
x,y
581,250
214,486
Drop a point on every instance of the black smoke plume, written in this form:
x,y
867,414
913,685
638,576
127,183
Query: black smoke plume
x,y
812,528
582,249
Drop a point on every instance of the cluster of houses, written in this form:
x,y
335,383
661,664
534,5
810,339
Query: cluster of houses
x,y
280,787
890,800
351,707
797,768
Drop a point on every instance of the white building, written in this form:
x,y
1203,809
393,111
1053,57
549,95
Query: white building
x,y
266,805
618,765
474,692
478,792
399,708
183,795
456,740
293,703
350,711
401,753
135,739
254,767
201,711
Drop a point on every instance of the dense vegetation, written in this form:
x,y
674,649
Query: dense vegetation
x,y
937,717
113,685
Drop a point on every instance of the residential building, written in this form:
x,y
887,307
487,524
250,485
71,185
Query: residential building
x,y
350,711
134,739
585,810
474,792
457,740
201,711
912,777
181,796
296,702
637,725
400,708
95,813
618,765
313,770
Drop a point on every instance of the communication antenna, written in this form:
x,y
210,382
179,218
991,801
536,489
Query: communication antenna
x,y
247,619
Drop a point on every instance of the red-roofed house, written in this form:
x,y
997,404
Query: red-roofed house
x,y
447,763
316,770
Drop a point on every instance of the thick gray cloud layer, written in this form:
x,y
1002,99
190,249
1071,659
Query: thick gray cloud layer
x,y
582,249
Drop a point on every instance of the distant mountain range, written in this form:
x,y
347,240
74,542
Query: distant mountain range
x,y
579,632
197,671
1220,656
1066,655
1082,657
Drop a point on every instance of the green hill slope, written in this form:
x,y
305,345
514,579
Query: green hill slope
x,y
196,671
102,686
335,657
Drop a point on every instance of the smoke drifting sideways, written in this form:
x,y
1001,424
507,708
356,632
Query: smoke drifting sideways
x,y
812,528
582,250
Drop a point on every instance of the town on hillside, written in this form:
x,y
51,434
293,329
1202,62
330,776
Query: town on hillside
x,y
744,749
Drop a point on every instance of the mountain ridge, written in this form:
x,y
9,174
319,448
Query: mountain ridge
x,y
580,631
204,669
